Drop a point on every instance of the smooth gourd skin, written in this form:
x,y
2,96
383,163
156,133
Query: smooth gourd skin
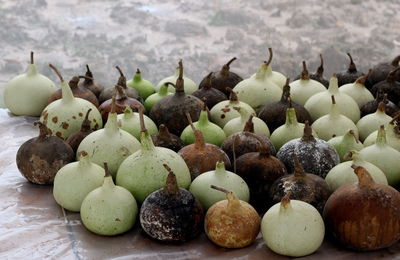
x,y
74,181
222,112
143,86
27,94
109,210
129,121
143,172
297,230
189,84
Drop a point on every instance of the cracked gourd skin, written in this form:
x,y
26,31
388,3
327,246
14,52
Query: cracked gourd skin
x,y
65,116
144,86
39,158
109,210
171,214
231,223
110,144
74,181
27,94
343,174
293,228
143,172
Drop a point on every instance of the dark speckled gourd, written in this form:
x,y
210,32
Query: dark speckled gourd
x,y
315,155
171,214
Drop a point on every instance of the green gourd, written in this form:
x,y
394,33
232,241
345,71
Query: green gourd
x,y
237,124
345,143
358,91
154,98
130,122
143,172
371,122
144,86
189,84
27,94
109,210
392,135
65,116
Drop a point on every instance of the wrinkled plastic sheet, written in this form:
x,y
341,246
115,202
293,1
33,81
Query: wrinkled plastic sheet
x,y
33,226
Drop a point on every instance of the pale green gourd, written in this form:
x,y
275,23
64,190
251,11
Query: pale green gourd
x,y
144,86
143,172
111,144
201,186
316,105
224,111
188,84
345,143
154,98
237,124
293,228
278,78
371,122
130,122
27,94
109,210
302,89
392,135
212,133
343,173
65,116
259,90
384,157
358,91
75,180
333,124
292,129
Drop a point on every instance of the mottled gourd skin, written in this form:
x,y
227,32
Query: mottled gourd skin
x,y
39,160
310,188
175,218
316,156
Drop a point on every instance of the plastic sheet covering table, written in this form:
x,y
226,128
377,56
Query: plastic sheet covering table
x,y
33,226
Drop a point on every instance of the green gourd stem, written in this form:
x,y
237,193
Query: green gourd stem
x,y
352,66
225,69
304,74
203,118
220,168
291,118
171,187
381,137
298,168
112,122
361,80
364,178
307,136
43,130
333,85
335,112
163,91
86,122
249,126
395,61
179,85
138,76
233,201
128,113
89,76
108,183
286,91
233,98
83,158
320,70
392,77
199,143
66,91
285,203
145,138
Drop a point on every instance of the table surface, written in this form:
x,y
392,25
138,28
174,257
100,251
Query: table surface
x,y
153,36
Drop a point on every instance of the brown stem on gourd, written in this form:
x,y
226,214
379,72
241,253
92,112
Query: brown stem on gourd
x,y
198,135
233,201
113,105
304,74
32,61
163,131
395,61
270,57
171,187
86,77
289,100
120,92
364,178
43,130
286,91
307,136
225,68
391,77
320,70
361,80
141,119
208,81
57,72
382,105
86,122
333,100
354,135
285,201
107,172
179,85
298,168
89,75
249,126
352,66
233,97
